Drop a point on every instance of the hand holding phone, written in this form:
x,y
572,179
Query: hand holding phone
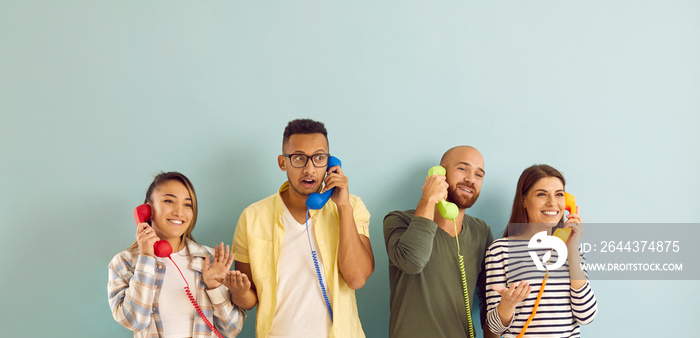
x,y
142,214
572,208
316,201
447,210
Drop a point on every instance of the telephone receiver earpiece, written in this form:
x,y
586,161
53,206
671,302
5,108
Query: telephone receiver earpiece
x,y
316,201
447,210
572,208
142,214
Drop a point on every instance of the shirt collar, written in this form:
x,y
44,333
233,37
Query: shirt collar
x,y
281,206
197,250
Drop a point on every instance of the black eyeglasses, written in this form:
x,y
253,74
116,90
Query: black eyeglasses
x,y
300,160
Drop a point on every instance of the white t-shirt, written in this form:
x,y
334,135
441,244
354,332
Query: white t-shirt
x,y
176,310
301,309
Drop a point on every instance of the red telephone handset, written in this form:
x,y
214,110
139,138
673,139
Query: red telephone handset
x,y
572,208
163,249
142,214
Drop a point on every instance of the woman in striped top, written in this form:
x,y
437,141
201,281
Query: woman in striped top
x,y
512,279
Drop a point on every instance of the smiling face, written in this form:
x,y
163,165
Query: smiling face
x,y
465,174
307,180
172,210
544,202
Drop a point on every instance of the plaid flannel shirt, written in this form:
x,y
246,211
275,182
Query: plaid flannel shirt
x,y
134,285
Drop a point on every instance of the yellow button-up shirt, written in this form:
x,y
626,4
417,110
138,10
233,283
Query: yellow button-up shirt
x,y
258,241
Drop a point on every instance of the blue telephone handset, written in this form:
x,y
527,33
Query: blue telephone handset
x,y
316,201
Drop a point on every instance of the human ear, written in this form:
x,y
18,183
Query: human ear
x,y
281,163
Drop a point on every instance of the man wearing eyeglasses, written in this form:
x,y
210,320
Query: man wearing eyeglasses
x,y
301,266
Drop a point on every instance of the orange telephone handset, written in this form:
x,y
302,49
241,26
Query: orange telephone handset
x,y
572,208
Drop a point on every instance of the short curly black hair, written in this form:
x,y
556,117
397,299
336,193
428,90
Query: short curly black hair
x,y
303,126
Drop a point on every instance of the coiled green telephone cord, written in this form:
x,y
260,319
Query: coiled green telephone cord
x,y
465,289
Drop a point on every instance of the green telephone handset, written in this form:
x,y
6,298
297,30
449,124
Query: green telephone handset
x,y
447,210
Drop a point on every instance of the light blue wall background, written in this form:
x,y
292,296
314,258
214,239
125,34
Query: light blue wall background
x,y
97,97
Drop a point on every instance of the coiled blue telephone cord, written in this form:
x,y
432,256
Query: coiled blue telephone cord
x,y
318,269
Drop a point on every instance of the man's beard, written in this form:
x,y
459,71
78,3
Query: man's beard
x,y
460,201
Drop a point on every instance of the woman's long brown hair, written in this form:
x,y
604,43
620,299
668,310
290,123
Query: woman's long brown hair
x,y
530,176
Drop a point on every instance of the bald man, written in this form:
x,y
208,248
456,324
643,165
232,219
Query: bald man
x,y
427,298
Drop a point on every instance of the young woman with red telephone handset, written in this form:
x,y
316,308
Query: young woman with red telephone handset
x,y
146,292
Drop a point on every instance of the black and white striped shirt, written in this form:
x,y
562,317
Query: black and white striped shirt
x,y
562,309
